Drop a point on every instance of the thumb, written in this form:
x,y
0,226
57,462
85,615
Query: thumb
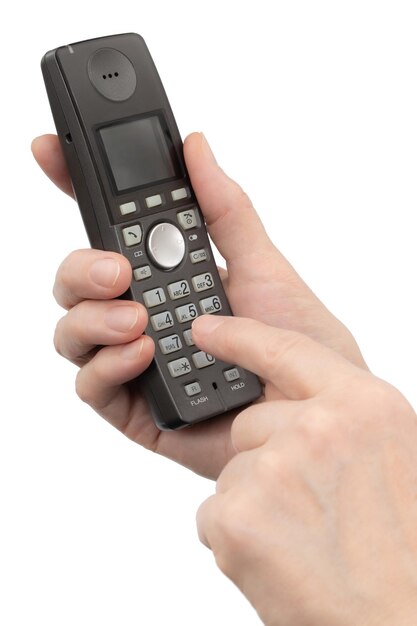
x,y
233,223
298,366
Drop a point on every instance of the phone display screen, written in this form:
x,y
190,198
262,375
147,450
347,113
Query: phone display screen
x,y
139,153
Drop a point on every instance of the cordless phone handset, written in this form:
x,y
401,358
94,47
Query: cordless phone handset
x,y
125,158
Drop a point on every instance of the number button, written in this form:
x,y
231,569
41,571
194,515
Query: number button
x,y
210,305
186,313
154,297
170,344
178,290
161,321
188,337
203,282
179,367
202,359
132,235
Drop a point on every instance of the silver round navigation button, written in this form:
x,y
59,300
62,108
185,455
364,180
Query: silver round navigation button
x,y
166,245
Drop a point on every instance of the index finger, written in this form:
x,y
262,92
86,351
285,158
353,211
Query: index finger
x,y
91,275
298,366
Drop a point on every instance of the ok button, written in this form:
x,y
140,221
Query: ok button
x,y
166,245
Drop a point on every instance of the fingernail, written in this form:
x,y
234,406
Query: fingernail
x,y
206,148
206,324
132,351
122,318
105,272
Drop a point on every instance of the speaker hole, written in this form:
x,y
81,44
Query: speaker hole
x,y
104,76
116,74
109,75
68,138
214,385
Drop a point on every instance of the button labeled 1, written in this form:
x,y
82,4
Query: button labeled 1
x,y
154,297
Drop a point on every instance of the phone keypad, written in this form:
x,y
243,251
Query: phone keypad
x,y
160,238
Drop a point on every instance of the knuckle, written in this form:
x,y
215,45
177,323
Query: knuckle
x,y
319,430
270,467
64,279
233,523
242,424
243,198
83,389
65,270
57,338
388,403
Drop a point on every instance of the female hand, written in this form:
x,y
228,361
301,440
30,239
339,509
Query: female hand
x,y
315,517
259,283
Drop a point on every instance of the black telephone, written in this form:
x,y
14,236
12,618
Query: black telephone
x,y
124,155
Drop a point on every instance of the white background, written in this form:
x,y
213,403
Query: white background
x,y
312,107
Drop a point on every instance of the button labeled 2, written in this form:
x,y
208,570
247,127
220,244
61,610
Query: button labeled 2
x,y
179,289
